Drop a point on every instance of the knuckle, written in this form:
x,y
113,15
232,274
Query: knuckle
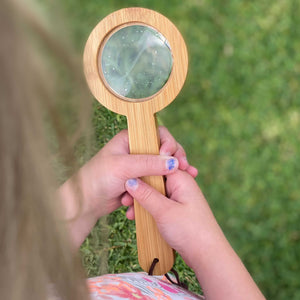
x,y
118,166
163,130
113,166
148,161
180,147
123,132
180,152
146,193
122,136
151,162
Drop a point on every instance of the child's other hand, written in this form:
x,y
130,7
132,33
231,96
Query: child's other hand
x,y
104,176
183,218
187,224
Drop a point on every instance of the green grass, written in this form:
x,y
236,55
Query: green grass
x,y
238,117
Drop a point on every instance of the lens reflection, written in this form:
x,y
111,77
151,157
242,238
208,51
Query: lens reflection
x,y
136,62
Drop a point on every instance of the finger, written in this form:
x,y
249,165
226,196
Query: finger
x,y
182,183
130,213
127,199
192,171
149,198
183,162
168,143
169,146
132,166
181,156
119,144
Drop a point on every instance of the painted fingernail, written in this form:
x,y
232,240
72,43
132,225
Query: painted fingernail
x,y
171,163
132,183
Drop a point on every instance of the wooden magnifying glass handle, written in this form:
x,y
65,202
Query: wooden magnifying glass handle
x,y
144,139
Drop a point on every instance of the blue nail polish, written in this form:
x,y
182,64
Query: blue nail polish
x,y
132,183
171,163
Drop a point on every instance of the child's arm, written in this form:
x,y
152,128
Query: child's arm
x,y
188,225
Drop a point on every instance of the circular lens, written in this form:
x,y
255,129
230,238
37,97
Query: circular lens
x,y
136,62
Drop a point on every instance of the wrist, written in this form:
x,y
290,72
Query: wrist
x,y
221,272
204,245
79,217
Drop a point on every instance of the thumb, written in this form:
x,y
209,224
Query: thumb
x,y
148,197
132,166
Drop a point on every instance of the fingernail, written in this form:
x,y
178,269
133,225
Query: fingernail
x,y
132,183
171,164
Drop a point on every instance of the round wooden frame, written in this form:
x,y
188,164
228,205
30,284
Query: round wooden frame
x,y
100,65
144,17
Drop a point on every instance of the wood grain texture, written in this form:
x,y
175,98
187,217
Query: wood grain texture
x,y
144,138
135,16
143,133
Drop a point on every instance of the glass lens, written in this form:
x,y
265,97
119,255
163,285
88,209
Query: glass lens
x,y
136,62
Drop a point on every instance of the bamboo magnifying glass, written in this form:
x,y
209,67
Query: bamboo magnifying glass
x,y
135,63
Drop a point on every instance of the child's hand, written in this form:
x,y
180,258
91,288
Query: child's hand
x,y
101,181
105,175
187,224
183,218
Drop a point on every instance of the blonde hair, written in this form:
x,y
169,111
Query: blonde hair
x,y
36,260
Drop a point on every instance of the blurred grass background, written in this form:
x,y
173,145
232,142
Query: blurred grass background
x,y
238,117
